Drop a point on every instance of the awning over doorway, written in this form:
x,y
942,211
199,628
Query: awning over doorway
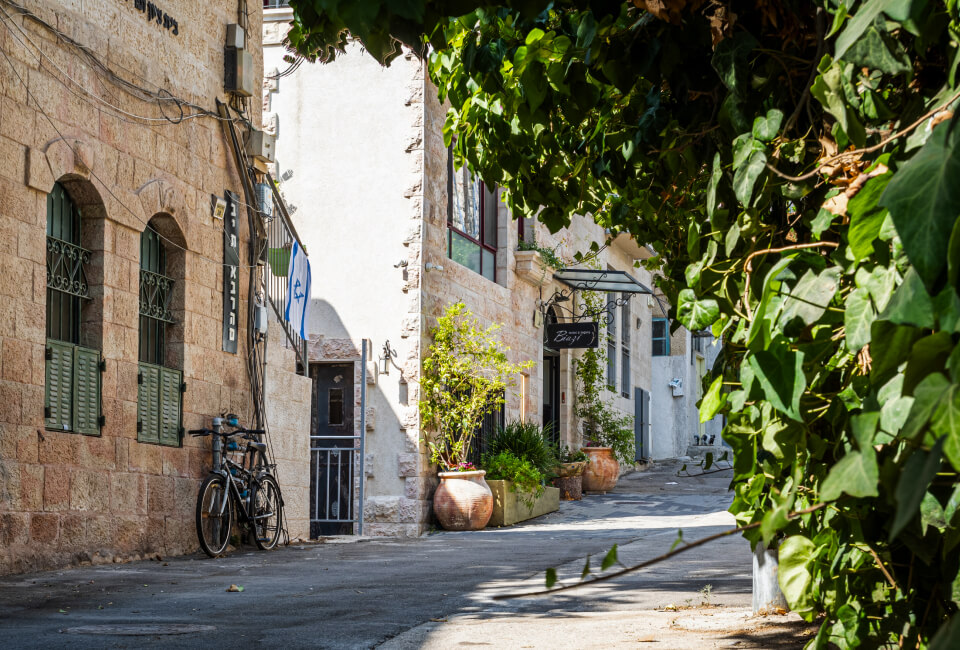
x,y
600,280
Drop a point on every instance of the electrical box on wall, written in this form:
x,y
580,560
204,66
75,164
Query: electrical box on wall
x,y
261,145
237,64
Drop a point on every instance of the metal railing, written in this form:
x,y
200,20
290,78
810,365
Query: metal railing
x,y
275,4
280,237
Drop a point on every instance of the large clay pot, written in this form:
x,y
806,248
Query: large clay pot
x,y
463,500
603,470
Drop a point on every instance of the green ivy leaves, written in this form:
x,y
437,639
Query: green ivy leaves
x,y
924,201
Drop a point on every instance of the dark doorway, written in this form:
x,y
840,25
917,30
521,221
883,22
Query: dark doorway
x,y
334,445
551,385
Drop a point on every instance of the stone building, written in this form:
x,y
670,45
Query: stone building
x,y
113,332
394,241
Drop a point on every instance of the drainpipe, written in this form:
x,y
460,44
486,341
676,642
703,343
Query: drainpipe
x,y
363,428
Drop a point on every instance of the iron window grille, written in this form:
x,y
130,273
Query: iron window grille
x,y
156,290
471,221
661,337
625,345
612,348
493,421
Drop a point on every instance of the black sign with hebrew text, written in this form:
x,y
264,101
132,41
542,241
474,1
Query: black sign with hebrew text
x,y
562,336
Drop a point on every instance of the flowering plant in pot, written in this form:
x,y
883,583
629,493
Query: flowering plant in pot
x,y
464,377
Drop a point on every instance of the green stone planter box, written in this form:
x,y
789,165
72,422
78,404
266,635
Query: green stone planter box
x,y
508,509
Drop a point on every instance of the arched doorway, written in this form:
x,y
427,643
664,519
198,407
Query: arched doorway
x,y
551,384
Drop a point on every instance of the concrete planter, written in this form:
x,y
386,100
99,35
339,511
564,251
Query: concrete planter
x,y
508,509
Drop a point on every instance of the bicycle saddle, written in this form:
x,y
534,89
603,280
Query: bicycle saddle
x,y
259,446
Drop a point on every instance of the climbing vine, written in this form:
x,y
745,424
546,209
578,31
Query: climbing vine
x,y
794,163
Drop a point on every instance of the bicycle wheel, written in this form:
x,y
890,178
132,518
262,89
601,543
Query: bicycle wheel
x,y
267,506
214,515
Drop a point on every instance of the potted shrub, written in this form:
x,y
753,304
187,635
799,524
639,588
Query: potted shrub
x,y
569,473
464,377
518,462
607,433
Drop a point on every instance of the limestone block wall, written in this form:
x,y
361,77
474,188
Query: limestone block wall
x,y
65,497
288,418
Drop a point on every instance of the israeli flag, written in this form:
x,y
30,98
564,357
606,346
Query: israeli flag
x,y
298,290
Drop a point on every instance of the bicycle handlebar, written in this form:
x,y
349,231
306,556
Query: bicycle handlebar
x,y
207,432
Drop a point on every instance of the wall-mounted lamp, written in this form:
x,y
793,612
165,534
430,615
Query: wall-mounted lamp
x,y
430,266
386,358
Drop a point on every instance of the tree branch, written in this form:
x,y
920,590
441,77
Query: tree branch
x,y
858,152
643,565
749,267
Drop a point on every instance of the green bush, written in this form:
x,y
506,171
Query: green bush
x,y
524,477
527,441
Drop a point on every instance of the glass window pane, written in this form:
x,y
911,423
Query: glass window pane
x,y
489,264
625,319
625,373
465,207
335,406
489,216
612,365
463,251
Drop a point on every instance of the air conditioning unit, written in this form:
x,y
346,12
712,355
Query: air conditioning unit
x,y
262,145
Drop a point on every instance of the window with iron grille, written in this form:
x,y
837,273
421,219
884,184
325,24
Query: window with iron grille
x,y
486,432
661,337
471,221
612,347
71,371
160,387
625,346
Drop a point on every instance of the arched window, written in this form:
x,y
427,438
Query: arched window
x,y
160,385
72,372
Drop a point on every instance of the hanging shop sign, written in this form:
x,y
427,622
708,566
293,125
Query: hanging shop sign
x,y
156,15
231,275
562,336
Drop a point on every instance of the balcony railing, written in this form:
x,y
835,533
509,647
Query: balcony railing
x,y
280,237
275,4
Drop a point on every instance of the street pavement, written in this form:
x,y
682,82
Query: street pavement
x,y
435,591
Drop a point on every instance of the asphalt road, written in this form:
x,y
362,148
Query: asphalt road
x,y
366,593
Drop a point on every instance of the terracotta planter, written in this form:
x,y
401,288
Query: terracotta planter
x,y
602,472
463,500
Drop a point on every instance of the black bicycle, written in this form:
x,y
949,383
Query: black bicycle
x,y
242,484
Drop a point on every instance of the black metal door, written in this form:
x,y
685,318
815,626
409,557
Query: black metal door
x,y
334,445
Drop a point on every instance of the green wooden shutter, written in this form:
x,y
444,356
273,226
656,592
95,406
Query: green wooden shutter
x,y
86,391
170,381
148,407
58,388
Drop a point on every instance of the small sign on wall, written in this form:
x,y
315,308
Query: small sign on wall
x,y
231,275
562,336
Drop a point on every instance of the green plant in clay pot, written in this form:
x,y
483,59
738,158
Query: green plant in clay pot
x,y
464,377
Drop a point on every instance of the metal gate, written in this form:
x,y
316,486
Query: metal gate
x,y
336,451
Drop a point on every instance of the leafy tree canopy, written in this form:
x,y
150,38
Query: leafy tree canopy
x,y
796,163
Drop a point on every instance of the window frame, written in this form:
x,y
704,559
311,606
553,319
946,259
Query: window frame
x,y
625,349
480,241
665,338
612,347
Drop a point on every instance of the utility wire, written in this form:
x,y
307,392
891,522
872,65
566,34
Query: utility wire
x,y
53,124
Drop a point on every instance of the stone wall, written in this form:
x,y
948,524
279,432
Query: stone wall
x,y
288,417
64,497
